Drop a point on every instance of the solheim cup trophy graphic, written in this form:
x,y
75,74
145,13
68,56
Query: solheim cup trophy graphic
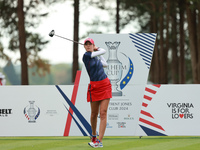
x,y
114,69
31,114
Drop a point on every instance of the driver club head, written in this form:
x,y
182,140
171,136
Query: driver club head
x,y
51,34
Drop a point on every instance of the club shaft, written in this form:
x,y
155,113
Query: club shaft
x,y
68,39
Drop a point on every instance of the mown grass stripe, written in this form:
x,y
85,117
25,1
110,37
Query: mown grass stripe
x,y
110,143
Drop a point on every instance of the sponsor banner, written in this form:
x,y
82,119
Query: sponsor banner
x,y
170,110
45,110
33,110
128,57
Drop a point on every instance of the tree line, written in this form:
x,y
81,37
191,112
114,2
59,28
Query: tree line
x,y
176,57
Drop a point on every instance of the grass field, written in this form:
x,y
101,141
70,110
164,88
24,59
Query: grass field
x,y
110,143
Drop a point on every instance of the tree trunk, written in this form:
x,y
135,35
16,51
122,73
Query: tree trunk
x,y
163,54
174,64
198,50
154,71
22,43
117,16
152,68
181,42
192,40
167,47
76,34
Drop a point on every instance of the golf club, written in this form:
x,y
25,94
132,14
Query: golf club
x,y
52,33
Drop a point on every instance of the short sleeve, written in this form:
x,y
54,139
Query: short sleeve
x,y
86,57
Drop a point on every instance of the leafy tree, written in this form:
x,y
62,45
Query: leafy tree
x,y
17,17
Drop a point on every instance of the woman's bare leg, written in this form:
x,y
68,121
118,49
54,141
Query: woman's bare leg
x,y
94,115
103,117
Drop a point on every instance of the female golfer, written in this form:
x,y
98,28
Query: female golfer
x,y
99,89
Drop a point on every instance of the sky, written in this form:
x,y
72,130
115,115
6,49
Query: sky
x,y
61,20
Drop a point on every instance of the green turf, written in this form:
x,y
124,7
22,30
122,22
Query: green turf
x,y
111,143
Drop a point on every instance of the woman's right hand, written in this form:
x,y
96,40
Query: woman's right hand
x,y
96,48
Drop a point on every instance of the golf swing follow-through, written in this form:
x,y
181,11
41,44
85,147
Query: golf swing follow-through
x,y
99,89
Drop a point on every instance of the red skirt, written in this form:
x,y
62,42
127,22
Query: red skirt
x,y
99,90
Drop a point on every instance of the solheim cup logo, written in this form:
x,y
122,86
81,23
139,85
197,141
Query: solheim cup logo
x,y
115,69
31,113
